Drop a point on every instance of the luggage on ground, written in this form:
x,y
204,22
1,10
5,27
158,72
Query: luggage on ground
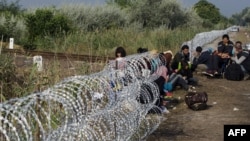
x,y
196,100
234,72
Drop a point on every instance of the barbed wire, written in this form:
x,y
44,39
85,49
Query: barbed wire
x,y
113,104
109,105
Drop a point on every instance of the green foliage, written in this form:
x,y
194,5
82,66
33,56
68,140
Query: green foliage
x,y
194,20
8,28
12,85
156,13
10,17
242,18
7,77
208,11
45,22
153,24
104,43
121,3
12,7
95,18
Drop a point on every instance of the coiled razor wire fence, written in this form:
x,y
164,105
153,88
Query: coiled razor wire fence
x,y
108,105
101,106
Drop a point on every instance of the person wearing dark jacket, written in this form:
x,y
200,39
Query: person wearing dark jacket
x,y
221,57
181,65
179,57
201,59
174,79
242,58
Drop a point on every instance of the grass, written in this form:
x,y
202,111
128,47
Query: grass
x,y
103,43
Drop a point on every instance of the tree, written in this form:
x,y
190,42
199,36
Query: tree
x,y
242,18
207,11
44,22
12,7
155,13
121,3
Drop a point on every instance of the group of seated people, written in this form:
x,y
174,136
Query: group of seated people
x,y
171,72
214,63
178,69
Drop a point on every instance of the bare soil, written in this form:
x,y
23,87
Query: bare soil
x,y
228,101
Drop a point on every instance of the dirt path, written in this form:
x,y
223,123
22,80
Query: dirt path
x,y
229,103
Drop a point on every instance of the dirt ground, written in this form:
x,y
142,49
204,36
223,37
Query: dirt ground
x,y
229,103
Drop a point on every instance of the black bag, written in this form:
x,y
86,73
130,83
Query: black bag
x,y
196,100
234,72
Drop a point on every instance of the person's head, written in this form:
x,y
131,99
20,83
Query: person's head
x,y
120,52
185,49
225,38
162,58
198,49
168,55
238,46
142,50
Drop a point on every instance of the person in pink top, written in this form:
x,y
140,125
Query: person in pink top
x,y
162,71
120,61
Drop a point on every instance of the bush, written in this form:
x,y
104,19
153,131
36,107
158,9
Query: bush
x,y
95,18
11,27
156,13
46,22
8,77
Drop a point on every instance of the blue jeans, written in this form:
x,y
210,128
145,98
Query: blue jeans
x,y
176,79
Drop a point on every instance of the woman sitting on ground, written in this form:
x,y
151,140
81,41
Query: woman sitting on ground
x,y
174,78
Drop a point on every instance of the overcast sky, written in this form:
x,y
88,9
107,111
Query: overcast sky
x,y
227,7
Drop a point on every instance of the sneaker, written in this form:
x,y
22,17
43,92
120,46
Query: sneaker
x,y
207,74
246,77
168,95
191,89
164,110
217,74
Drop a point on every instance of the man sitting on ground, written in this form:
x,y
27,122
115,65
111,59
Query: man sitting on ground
x,y
221,57
242,58
201,59
181,65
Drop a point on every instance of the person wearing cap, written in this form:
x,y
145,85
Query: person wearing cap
x,y
242,58
201,59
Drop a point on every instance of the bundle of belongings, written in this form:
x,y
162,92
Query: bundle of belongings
x,y
196,100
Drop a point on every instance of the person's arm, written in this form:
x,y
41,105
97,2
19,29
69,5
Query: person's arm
x,y
203,58
195,61
174,64
233,58
238,61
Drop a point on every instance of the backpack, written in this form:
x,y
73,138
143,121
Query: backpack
x,y
196,100
234,72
